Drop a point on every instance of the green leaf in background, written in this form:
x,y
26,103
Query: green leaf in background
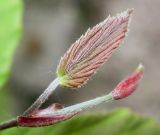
x,y
118,122
10,31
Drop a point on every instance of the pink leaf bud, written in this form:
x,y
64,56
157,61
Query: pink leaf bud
x,y
128,85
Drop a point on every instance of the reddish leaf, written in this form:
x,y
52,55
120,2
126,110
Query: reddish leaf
x,y
94,48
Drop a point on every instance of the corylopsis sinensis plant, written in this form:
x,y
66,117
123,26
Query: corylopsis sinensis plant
x,y
78,64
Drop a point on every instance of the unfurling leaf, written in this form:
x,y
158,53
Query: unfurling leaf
x,y
94,48
129,85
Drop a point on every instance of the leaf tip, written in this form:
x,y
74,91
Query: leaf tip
x,y
130,11
140,68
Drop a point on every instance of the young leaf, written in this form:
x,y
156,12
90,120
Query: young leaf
x,y
92,50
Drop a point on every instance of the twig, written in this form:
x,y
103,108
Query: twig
x,y
8,124
86,105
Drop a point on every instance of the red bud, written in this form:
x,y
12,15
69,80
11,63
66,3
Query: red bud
x,y
128,85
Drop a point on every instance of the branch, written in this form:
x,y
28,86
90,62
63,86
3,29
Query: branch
x,y
9,124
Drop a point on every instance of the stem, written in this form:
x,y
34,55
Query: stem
x,y
43,97
8,124
85,105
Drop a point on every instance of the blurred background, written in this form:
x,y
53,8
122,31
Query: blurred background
x,y
51,26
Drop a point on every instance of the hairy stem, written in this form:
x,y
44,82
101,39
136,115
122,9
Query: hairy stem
x,y
43,97
87,104
8,124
